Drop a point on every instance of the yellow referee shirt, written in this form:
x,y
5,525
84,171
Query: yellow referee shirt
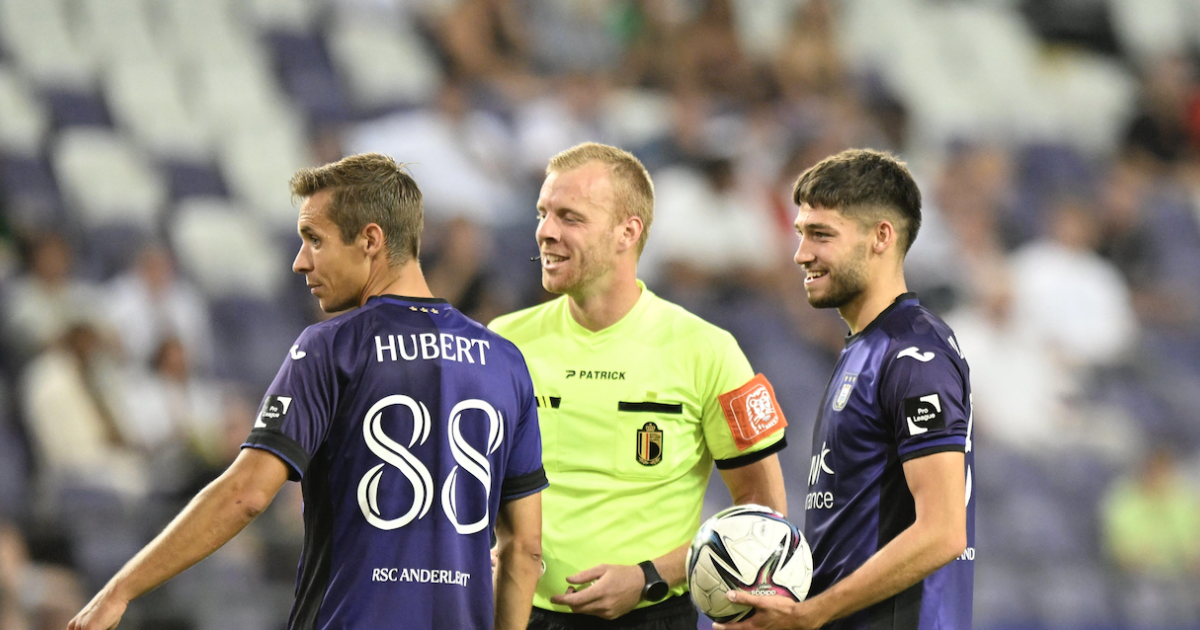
x,y
632,418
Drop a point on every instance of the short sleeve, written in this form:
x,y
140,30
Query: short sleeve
x,y
741,418
298,407
924,398
525,474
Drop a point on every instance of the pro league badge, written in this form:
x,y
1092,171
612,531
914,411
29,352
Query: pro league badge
x,y
649,444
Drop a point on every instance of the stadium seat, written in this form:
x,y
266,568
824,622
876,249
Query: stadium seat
x,y
23,121
146,98
37,34
635,118
257,165
115,31
205,32
106,180
1148,29
231,98
282,15
1089,99
383,61
225,249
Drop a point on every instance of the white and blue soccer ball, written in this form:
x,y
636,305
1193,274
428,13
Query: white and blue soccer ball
x,y
747,548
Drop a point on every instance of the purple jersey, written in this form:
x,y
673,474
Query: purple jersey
x,y
901,390
407,424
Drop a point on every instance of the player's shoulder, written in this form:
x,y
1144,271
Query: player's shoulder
x,y
328,330
527,322
914,330
497,342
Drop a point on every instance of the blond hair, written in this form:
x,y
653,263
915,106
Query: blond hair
x,y
369,188
633,192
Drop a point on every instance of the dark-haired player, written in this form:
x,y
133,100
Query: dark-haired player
x,y
888,513
412,429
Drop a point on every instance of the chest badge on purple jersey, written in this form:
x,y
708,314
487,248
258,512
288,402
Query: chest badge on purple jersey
x,y
843,395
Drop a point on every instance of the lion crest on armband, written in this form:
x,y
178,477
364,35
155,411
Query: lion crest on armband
x,y
761,408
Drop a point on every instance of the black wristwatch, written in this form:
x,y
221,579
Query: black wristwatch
x,y
656,588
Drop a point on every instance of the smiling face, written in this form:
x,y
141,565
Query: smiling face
x,y
336,272
833,252
578,234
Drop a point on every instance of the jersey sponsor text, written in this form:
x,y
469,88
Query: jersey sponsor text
x,y
421,576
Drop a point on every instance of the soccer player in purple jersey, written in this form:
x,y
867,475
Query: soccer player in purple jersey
x,y
412,429
889,514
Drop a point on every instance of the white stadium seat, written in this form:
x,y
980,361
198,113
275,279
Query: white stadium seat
x,y
146,97
383,60
257,165
210,31
23,121
117,30
38,35
232,97
225,249
106,180
1148,29
283,15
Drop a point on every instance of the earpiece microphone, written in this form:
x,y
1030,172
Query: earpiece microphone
x,y
535,259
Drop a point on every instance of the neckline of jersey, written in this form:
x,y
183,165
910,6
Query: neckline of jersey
x,y
875,323
408,298
604,333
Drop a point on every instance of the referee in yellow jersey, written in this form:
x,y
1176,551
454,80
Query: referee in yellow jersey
x,y
637,399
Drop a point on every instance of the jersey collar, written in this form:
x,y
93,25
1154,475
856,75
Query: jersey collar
x,y
406,298
879,318
634,313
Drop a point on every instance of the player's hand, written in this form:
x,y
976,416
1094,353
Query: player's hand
x,y
771,612
102,613
616,591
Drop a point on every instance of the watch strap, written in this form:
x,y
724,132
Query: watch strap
x,y
656,588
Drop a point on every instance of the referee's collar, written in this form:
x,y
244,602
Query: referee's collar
x,y
596,335
879,318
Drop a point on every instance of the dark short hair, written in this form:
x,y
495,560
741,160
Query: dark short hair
x,y
369,188
863,183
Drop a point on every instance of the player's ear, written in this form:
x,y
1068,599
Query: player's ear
x,y
371,239
883,236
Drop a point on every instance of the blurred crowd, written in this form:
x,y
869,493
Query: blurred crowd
x,y
1061,241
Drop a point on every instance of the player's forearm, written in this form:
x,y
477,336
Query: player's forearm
x,y
671,566
210,520
517,573
917,552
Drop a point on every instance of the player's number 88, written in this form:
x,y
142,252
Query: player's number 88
x,y
468,459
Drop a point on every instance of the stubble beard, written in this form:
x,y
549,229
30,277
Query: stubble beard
x,y
589,265
846,282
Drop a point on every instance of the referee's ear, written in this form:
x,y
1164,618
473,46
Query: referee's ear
x,y
631,232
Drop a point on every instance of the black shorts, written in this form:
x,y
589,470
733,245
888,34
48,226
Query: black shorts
x,y
674,613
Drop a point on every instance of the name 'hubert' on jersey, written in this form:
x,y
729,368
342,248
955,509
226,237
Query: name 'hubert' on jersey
x,y
407,425
901,390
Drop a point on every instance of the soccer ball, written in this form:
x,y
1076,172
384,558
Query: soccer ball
x,y
748,548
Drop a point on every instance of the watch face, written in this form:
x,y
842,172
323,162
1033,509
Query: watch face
x,y
656,591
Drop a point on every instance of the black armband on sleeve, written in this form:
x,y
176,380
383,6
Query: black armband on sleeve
x,y
523,485
750,458
283,447
940,448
